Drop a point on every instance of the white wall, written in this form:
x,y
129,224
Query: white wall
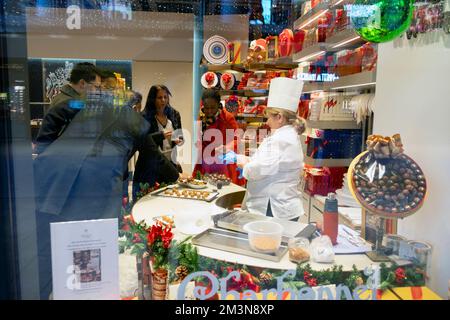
x,y
177,76
159,44
231,27
413,99
150,36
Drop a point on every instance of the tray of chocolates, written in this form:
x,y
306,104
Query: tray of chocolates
x,y
214,178
387,182
192,183
185,193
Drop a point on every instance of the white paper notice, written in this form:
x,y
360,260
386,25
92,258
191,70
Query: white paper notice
x,y
85,260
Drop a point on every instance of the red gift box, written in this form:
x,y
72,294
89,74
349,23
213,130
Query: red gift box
x,y
323,26
299,38
285,42
349,63
317,181
336,178
323,180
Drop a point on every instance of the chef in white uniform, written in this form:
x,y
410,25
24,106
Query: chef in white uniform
x,y
273,172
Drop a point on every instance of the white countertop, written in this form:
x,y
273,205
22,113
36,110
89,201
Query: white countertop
x,y
153,206
150,206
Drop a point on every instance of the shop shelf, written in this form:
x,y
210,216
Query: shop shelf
x,y
284,63
344,40
327,162
251,117
311,16
245,93
366,79
332,125
362,80
319,10
225,67
311,87
310,53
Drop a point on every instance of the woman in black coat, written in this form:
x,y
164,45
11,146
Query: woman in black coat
x,y
158,111
165,121
79,176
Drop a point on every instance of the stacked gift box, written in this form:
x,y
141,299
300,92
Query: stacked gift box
x,y
335,144
323,180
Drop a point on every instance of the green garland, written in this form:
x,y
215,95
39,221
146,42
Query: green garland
x,y
134,235
392,276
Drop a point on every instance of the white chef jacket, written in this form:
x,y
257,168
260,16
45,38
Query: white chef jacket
x,y
273,173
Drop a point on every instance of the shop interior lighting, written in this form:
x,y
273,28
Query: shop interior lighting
x,y
355,85
317,16
58,36
107,37
308,57
343,43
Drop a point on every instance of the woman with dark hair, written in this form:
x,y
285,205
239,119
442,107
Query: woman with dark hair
x,y
214,117
164,122
163,118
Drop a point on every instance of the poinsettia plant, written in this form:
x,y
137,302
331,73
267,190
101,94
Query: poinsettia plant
x,y
396,276
159,240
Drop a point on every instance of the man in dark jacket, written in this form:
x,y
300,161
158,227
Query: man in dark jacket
x,y
79,175
65,105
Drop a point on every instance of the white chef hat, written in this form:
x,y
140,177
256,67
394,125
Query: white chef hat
x,y
285,93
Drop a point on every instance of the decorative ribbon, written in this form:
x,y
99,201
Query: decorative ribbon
x,y
236,55
226,78
209,77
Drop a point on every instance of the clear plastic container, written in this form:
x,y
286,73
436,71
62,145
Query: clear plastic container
x,y
393,242
298,250
264,236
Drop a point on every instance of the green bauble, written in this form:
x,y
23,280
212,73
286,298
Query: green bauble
x,y
381,20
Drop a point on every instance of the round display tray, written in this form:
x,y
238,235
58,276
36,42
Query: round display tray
x,y
392,215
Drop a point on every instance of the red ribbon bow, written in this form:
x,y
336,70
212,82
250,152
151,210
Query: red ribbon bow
x,y
226,78
232,99
209,77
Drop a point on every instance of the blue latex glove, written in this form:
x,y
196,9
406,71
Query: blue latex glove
x,y
228,158
240,170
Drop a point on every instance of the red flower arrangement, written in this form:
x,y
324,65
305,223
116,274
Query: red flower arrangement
x,y
246,282
400,275
159,239
310,281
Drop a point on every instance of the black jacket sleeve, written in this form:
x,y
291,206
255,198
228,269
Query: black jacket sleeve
x,y
152,166
53,124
